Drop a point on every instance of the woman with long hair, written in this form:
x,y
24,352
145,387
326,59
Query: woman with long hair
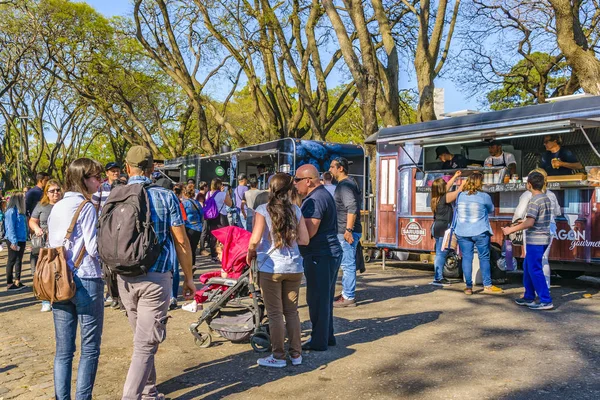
x,y
441,205
222,200
15,224
473,230
38,223
86,308
278,230
193,226
521,214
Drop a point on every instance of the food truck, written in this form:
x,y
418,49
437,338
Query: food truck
x,y
264,159
407,164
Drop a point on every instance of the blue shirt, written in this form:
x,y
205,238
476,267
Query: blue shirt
x,y
472,211
165,213
320,205
16,226
84,234
194,212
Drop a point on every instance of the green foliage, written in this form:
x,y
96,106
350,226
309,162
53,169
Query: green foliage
x,y
529,82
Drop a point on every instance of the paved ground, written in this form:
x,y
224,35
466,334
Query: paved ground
x,y
405,340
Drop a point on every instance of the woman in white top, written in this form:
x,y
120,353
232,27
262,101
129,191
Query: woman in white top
x,y
521,213
222,199
278,230
86,308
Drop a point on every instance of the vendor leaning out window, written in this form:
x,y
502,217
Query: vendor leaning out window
x,y
500,158
558,160
449,160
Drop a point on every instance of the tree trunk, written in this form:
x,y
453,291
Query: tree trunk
x,y
574,46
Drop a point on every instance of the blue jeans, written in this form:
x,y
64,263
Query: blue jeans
x,y
349,266
467,246
87,309
248,222
440,259
533,274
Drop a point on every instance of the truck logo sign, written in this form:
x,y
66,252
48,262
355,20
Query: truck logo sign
x,y
577,238
413,233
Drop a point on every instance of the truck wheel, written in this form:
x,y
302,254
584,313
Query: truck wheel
x,y
367,257
567,274
453,267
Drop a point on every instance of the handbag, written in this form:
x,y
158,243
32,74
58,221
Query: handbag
x,y
53,279
450,241
37,242
516,237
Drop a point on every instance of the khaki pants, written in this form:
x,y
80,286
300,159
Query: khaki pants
x,y
146,299
280,294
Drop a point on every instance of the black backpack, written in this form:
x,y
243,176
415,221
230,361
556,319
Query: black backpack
x,y
127,242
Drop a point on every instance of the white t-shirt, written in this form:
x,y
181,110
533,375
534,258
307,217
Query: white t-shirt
x,y
286,260
504,158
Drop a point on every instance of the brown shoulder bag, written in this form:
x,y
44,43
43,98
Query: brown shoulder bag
x,y
53,279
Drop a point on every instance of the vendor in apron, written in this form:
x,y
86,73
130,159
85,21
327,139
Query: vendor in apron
x,y
499,158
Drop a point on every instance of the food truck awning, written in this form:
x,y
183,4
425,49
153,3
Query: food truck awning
x,y
558,117
242,154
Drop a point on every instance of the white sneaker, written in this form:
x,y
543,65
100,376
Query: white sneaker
x,y
108,299
296,361
46,307
271,362
191,307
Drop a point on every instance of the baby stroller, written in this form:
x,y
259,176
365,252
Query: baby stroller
x,y
233,306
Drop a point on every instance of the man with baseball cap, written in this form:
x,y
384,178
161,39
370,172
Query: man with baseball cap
x,y
449,160
146,297
499,158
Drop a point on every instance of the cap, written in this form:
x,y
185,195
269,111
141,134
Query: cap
x,y
441,150
494,143
140,157
112,165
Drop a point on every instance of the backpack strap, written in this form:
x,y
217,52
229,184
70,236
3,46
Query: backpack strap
x,y
79,258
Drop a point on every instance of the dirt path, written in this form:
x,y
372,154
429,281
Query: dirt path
x,y
406,339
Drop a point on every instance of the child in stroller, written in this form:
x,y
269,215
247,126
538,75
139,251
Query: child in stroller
x,y
233,264
234,308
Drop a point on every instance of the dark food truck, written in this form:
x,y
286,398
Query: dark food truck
x,y
407,164
283,155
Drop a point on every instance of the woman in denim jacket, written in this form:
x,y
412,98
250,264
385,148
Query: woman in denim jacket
x,y
473,230
86,308
15,224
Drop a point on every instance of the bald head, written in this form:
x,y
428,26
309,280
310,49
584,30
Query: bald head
x,y
307,171
306,179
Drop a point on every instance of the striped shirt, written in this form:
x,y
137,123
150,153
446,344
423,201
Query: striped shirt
x,y
100,197
165,213
540,209
472,214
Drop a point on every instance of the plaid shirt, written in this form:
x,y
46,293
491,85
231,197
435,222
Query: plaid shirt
x,y
164,207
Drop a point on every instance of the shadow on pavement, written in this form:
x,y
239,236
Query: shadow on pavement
x,y
238,373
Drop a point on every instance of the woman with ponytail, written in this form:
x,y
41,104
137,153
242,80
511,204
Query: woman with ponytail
x,y
278,230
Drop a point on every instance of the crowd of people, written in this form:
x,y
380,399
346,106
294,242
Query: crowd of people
x,y
301,225
464,213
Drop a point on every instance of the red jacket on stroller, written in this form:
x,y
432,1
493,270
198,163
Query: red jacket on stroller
x,y
233,261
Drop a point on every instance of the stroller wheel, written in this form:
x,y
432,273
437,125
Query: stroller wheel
x,y
204,341
260,342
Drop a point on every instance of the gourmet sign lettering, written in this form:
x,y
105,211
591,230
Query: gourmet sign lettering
x,y
577,238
